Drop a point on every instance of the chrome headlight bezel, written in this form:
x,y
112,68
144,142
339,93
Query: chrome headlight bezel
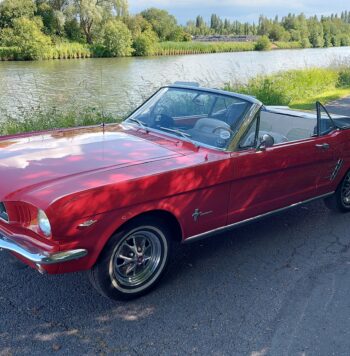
x,y
44,223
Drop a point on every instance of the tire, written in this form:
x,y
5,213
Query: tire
x,y
340,200
133,261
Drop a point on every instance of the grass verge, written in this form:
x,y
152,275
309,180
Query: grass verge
x,y
298,88
54,119
180,48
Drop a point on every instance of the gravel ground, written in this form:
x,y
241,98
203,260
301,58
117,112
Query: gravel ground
x,y
276,287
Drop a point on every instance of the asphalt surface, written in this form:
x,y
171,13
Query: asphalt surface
x,y
280,286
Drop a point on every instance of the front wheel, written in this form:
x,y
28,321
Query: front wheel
x,y
133,261
340,200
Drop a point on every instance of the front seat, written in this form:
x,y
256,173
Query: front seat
x,y
202,131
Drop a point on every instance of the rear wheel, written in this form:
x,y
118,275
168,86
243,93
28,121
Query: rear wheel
x,y
340,200
133,261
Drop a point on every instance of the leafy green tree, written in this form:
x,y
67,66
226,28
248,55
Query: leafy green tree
x,y
200,22
305,43
91,15
53,20
26,34
164,24
145,43
263,44
117,39
121,7
137,24
73,30
14,9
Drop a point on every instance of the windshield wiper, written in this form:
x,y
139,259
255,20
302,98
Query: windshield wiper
x,y
185,135
140,123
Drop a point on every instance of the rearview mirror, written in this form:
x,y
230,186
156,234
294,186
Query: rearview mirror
x,y
266,141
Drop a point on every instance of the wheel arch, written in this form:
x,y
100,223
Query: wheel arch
x,y
158,215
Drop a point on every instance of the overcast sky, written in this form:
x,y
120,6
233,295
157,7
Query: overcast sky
x,y
243,10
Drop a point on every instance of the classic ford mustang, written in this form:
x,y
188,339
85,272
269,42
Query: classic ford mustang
x,y
114,199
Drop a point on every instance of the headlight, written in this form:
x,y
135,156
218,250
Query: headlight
x,y
44,223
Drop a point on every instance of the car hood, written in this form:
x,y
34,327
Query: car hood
x,y
32,160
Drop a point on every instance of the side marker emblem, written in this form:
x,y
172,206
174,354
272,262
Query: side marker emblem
x,y
197,213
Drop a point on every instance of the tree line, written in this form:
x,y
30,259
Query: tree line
x,y
108,29
326,31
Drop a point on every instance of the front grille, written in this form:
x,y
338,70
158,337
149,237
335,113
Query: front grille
x,y
3,213
23,214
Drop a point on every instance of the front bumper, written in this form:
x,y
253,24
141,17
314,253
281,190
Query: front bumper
x,y
35,255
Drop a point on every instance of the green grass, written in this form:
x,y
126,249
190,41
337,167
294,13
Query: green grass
x,y
298,88
180,48
287,45
54,119
69,50
9,53
326,97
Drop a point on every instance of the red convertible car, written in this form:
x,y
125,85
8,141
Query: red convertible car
x,y
190,162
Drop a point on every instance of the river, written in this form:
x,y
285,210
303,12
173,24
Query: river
x,y
116,85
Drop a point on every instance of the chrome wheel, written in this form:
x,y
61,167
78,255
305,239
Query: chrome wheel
x,y
345,191
138,258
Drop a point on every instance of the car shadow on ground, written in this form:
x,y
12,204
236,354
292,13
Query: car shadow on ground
x,y
259,288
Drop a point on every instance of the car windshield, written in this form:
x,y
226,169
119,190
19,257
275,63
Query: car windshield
x,y
194,115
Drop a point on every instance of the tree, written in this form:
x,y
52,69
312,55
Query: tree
x,y
14,9
137,24
27,36
91,14
263,44
121,7
200,22
145,43
116,39
163,24
53,20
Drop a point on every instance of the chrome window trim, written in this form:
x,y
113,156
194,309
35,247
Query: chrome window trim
x,y
254,218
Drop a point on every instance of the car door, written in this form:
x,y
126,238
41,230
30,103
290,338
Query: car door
x,y
329,152
273,178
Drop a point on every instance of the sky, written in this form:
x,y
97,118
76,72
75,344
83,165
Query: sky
x,y
242,10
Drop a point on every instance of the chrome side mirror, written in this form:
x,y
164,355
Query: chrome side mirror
x,y
266,141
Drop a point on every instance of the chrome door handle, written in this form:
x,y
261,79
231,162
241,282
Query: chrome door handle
x,y
323,146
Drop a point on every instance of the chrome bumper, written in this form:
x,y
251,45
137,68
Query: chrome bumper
x,y
37,256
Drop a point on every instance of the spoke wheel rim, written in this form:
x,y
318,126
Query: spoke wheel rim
x,y
137,258
345,191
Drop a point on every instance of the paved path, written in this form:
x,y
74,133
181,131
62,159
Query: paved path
x,y
341,107
277,287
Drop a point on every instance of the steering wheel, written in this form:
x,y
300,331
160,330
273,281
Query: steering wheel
x,y
163,120
223,128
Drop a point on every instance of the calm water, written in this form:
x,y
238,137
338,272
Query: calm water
x,y
119,84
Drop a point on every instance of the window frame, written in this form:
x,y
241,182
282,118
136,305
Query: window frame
x,y
230,147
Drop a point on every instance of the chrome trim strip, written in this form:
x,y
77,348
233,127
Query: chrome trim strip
x,y
37,256
246,221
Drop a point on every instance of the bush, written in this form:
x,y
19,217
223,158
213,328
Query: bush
x,y
117,39
263,44
305,42
145,43
344,78
27,36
